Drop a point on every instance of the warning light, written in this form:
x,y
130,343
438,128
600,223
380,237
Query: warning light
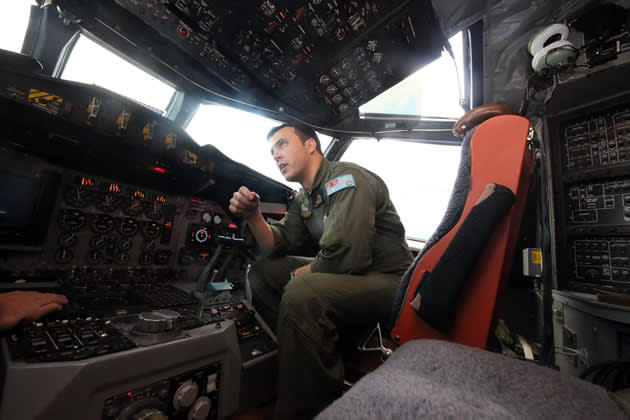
x,y
308,48
168,224
114,188
232,226
282,15
86,182
160,170
160,199
138,194
129,394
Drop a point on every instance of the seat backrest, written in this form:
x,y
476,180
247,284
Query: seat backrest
x,y
499,154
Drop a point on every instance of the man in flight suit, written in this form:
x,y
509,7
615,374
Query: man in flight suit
x,y
348,286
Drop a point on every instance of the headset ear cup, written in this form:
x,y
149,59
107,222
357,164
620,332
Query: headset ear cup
x,y
557,32
555,54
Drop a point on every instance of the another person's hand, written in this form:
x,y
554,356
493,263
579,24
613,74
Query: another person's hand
x,y
244,203
29,306
301,270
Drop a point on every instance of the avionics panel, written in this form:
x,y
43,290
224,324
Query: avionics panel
x,y
113,213
591,160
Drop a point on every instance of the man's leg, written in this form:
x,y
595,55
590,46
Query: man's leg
x,y
313,309
267,279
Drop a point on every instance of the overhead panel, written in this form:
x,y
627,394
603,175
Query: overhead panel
x,y
318,60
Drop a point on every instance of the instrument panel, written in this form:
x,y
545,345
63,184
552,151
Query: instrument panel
x,y
318,60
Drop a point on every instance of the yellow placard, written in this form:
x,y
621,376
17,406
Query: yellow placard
x,y
536,257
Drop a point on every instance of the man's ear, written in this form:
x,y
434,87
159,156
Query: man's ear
x,y
312,144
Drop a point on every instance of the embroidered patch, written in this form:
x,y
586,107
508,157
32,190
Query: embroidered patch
x,y
305,211
339,183
317,199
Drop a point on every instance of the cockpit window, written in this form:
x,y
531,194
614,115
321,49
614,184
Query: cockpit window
x,y
14,24
91,63
432,91
419,177
241,136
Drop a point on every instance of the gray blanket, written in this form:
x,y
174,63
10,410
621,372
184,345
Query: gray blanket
x,y
436,380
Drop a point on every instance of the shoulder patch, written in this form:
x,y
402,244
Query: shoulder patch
x,y
339,183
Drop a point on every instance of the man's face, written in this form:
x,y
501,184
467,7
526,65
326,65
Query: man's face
x,y
291,154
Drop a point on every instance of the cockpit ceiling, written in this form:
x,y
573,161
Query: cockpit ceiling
x,y
317,61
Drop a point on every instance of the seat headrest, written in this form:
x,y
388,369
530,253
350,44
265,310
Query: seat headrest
x,y
478,115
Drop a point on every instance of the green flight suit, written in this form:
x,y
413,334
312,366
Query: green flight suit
x,y
362,256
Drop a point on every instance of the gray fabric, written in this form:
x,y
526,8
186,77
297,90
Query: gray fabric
x,y
436,379
451,217
507,27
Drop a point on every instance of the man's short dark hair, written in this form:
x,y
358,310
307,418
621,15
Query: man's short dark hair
x,y
303,131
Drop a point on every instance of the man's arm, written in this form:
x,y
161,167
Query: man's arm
x,y
245,203
30,306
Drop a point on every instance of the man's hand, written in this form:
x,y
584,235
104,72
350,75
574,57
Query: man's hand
x,y
302,270
30,306
244,203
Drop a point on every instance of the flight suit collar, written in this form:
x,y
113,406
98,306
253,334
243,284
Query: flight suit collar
x,y
320,176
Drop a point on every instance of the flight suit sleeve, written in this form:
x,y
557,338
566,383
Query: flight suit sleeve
x,y
290,232
349,228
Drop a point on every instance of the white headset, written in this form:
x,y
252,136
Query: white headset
x,y
549,51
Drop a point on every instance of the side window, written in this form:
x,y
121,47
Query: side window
x,y
91,63
241,136
433,91
15,15
419,177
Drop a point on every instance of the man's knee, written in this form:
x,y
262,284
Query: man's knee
x,y
305,308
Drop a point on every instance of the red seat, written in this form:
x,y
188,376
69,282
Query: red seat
x,y
499,154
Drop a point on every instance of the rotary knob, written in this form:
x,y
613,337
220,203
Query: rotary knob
x,y
200,409
185,395
157,321
150,414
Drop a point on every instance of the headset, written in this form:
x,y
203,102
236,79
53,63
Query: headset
x,y
551,48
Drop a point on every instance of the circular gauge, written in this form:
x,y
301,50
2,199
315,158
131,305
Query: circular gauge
x,y
154,212
68,239
202,235
63,255
146,258
217,219
352,74
346,64
342,82
186,257
150,230
324,79
98,242
268,8
343,107
334,72
149,245
375,85
360,53
95,256
128,227
124,244
76,197
331,89
206,217
337,99
134,207
121,258
347,92
71,220
102,223
108,202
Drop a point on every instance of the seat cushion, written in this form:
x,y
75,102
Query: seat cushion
x,y
437,379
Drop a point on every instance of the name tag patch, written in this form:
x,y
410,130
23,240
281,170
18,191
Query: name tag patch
x,y
339,183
